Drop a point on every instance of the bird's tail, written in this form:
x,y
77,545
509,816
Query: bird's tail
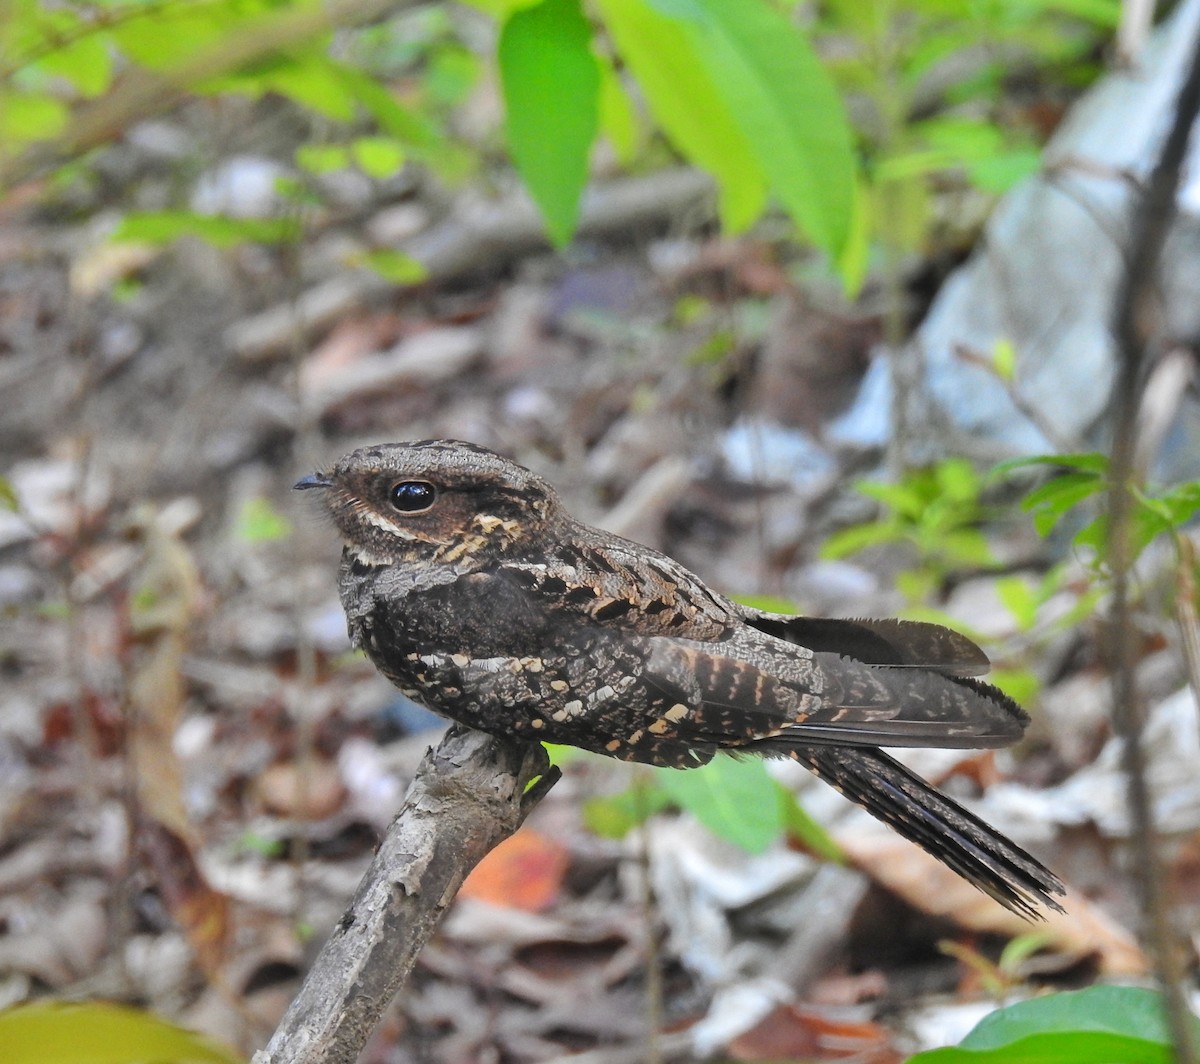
x,y
955,836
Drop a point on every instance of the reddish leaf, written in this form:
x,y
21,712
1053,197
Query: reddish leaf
x,y
523,872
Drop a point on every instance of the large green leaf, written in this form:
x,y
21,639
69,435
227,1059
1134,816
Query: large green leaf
x,y
551,87
98,1033
685,101
1100,1025
735,799
789,110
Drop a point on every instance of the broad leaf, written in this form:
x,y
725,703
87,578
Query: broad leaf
x,y
687,103
1102,1023
96,1033
551,84
786,105
735,799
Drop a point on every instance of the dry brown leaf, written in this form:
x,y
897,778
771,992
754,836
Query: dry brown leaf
x,y
791,1032
308,790
927,884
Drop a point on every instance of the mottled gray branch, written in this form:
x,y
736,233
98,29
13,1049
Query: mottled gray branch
x,y
469,794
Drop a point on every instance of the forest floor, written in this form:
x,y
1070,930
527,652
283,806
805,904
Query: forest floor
x,y
194,768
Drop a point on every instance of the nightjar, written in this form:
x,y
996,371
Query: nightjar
x,y
475,593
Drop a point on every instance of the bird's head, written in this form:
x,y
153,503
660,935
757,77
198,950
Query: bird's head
x,y
436,500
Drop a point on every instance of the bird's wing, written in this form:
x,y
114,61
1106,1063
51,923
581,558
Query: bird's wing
x,y
902,644
635,591
751,688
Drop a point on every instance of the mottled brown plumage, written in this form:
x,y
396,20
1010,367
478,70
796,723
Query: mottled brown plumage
x,y
474,592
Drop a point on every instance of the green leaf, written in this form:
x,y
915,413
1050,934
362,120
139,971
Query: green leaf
x,y
1065,1047
86,63
8,496
787,107
1050,502
1085,462
1020,685
615,816
768,603
686,102
260,522
551,83
858,537
1004,360
96,1033
1181,503
29,117
378,157
394,266
805,830
1020,598
618,118
322,158
1101,1024
161,227
735,799
1004,169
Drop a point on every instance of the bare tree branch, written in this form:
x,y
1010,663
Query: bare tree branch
x,y
1137,325
470,793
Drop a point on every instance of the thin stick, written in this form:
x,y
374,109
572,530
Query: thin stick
x,y
1136,323
469,794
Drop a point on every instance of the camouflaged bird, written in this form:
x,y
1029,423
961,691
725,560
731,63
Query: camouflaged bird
x,y
476,594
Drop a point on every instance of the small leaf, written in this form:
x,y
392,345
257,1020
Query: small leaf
x,y
735,799
551,84
1004,360
1020,599
1086,462
1181,503
260,522
1020,685
162,227
8,496
1050,502
28,117
615,816
768,603
858,537
86,63
322,158
1021,949
378,157
394,266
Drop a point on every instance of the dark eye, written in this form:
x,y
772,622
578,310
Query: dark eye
x,y
412,496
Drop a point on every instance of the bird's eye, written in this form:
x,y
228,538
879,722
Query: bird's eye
x,y
412,496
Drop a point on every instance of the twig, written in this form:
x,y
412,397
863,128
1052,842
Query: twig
x,y
1136,323
469,794
142,93
1185,609
476,236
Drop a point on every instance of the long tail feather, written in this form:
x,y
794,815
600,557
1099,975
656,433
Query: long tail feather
x,y
955,836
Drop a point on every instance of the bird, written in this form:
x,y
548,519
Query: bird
x,y
473,590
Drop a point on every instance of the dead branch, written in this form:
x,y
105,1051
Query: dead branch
x,y
477,235
1137,328
469,794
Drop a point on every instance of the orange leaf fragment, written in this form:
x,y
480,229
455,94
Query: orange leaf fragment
x,y
524,872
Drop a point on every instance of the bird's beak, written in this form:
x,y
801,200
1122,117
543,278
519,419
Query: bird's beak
x,y
313,480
